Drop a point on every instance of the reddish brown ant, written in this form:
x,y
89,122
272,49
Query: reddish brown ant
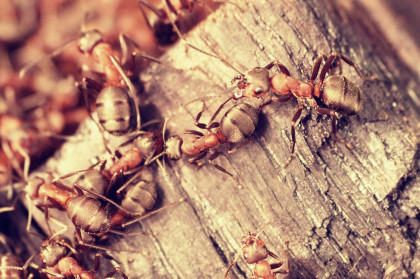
x,y
11,265
80,208
255,252
55,255
329,95
19,143
236,127
164,28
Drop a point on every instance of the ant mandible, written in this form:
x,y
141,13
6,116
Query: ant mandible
x,y
336,93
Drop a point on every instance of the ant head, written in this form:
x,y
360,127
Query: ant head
x,y
164,33
254,249
89,39
53,250
254,84
173,147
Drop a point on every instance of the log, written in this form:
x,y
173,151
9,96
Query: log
x,y
346,213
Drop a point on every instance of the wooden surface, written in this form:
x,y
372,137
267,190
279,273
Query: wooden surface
x,y
350,214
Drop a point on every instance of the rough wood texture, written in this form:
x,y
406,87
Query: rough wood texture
x,y
346,213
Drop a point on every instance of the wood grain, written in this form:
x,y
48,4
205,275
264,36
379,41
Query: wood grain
x,y
347,213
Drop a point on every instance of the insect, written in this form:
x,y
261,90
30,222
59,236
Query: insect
x,y
255,252
330,95
19,144
80,208
117,108
164,28
10,263
55,256
236,127
91,43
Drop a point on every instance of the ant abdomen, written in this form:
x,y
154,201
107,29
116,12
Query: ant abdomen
x,y
140,195
93,180
83,219
239,122
341,94
115,110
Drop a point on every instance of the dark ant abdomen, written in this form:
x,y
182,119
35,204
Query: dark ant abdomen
x,y
115,111
342,95
88,214
140,197
239,122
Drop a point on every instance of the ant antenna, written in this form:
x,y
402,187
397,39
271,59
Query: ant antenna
x,y
101,163
152,212
181,37
56,52
263,228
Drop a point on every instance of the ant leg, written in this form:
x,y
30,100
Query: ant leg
x,y
278,99
279,66
13,206
101,163
195,159
26,163
112,272
78,188
240,146
11,156
150,213
335,55
232,264
315,69
214,156
293,124
287,262
193,132
217,112
331,112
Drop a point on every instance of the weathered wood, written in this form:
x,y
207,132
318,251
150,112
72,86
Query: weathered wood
x,y
346,213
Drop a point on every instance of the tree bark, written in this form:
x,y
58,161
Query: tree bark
x,y
347,213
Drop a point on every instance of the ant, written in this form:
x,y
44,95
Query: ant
x,y
92,44
55,255
19,144
138,194
10,264
255,252
328,96
237,124
164,28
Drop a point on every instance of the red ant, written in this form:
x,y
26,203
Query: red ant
x,y
329,95
237,125
55,255
19,144
11,265
164,28
80,208
255,252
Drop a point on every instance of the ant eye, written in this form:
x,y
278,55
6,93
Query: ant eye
x,y
259,91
